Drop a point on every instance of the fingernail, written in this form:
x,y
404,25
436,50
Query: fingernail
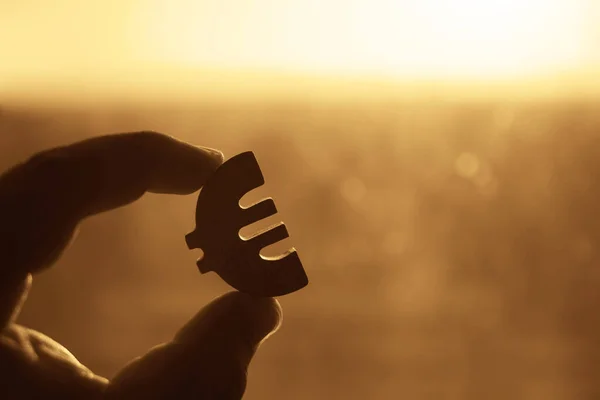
x,y
214,153
277,324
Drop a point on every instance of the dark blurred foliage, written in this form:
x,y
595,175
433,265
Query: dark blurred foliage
x,y
452,248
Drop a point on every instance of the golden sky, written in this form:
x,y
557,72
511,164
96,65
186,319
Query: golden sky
x,y
153,42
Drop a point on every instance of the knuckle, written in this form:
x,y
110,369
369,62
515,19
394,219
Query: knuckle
x,y
48,167
48,160
147,144
238,382
225,375
232,382
151,138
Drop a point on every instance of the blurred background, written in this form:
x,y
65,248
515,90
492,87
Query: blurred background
x,y
437,164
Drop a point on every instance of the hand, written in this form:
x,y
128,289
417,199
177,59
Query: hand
x,y
41,203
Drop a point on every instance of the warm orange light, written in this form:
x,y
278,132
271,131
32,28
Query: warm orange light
x,y
209,46
424,38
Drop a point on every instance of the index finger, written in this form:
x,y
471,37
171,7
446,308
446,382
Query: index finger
x,y
43,199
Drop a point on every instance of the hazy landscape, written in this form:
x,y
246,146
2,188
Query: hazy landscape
x,y
452,247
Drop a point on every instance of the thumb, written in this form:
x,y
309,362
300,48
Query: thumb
x,y
208,358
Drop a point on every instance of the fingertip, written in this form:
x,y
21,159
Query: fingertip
x,y
249,317
185,168
215,155
264,313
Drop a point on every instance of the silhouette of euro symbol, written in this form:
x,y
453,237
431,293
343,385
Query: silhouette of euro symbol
x,y
237,260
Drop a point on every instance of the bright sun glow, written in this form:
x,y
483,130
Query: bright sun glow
x,y
252,46
426,38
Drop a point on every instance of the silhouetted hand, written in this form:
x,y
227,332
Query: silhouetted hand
x,y
41,203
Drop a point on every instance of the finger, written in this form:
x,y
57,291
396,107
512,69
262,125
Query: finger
x,y
208,358
110,171
235,323
43,199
